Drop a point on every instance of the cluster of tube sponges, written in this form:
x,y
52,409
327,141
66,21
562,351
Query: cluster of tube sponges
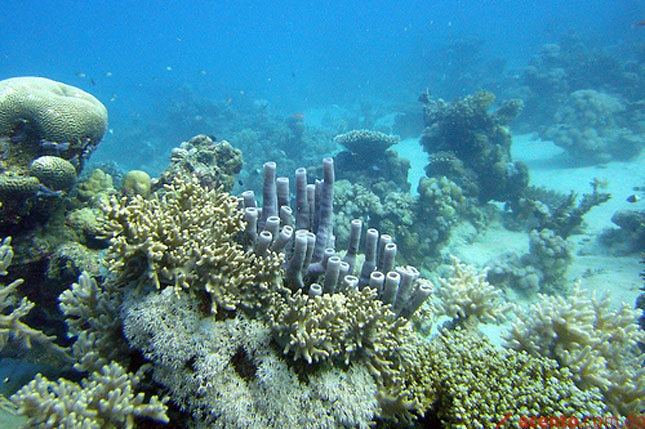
x,y
306,237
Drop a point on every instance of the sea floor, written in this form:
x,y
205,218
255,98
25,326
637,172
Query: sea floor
x,y
549,167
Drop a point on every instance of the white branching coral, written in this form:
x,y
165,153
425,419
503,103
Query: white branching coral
x,y
106,399
185,239
467,298
12,328
92,315
598,344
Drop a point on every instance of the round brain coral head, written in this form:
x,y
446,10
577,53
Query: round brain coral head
x,y
136,182
55,173
53,111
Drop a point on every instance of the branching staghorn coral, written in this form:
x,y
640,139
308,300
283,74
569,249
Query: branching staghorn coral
x,y
467,298
598,344
92,316
185,239
106,399
12,328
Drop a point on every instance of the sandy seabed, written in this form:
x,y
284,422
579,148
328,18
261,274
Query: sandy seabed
x,y
596,270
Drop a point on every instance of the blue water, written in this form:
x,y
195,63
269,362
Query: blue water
x,y
294,53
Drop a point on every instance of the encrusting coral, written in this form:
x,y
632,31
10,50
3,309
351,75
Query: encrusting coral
x,y
106,399
598,344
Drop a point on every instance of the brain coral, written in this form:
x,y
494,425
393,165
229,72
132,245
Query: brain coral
x,y
55,111
53,172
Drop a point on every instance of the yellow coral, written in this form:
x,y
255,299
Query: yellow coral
x,y
53,172
597,343
57,112
469,383
136,182
468,298
185,239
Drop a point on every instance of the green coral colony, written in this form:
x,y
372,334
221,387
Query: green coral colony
x,y
189,305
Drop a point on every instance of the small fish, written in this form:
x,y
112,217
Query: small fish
x,y
108,74
202,72
299,115
113,98
228,101
92,82
638,24
293,75
81,75
633,198
168,68
239,181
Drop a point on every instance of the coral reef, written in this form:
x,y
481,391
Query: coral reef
x,y
13,329
136,182
47,132
562,214
185,239
467,298
470,383
577,63
227,373
629,237
540,270
369,162
213,163
106,399
597,343
471,145
366,143
92,316
53,172
594,126
69,119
